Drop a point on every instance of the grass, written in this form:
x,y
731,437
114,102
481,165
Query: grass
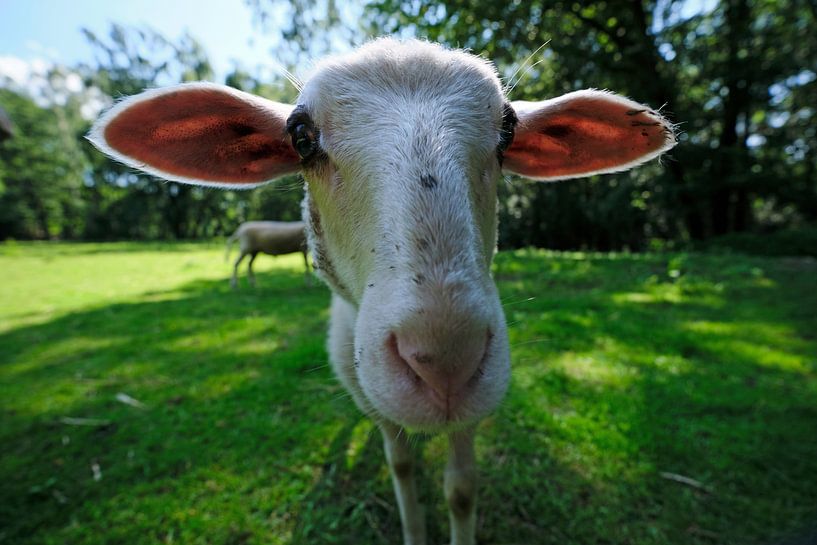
x,y
625,366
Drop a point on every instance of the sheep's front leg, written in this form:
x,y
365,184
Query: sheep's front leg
x,y
461,486
250,274
234,279
401,467
340,345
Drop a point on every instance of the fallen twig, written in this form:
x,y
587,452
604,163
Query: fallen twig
x,y
128,400
685,480
72,421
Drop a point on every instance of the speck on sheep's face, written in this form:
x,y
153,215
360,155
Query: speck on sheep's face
x,y
402,206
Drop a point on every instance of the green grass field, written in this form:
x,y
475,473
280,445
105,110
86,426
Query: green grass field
x,y
625,366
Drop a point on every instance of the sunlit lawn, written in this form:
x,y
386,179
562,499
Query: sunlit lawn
x,y
625,367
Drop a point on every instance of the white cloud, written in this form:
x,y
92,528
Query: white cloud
x,y
50,84
16,69
29,77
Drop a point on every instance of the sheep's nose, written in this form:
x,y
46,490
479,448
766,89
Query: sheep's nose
x,y
445,367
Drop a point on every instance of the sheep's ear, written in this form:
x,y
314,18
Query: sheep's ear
x,y
583,133
199,133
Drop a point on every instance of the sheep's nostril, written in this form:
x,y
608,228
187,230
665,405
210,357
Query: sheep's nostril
x,y
418,364
447,370
394,352
480,372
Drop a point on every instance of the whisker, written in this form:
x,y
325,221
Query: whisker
x,y
527,71
519,301
532,341
510,87
521,66
317,368
298,84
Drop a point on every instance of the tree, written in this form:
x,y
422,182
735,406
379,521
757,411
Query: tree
x,y
41,172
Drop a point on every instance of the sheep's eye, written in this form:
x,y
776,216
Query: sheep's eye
x,y
303,140
509,120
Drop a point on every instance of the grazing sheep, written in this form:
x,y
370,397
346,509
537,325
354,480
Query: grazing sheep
x,y
402,144
269,237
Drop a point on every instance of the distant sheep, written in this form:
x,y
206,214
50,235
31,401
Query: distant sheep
x,y
269,237
402,145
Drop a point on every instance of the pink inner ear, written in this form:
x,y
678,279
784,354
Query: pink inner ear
x,y
583,135
204,134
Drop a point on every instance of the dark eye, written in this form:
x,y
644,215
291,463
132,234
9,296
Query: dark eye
x,y
509,120
303,140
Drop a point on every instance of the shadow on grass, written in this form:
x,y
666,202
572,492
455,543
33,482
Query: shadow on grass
x,y
623,370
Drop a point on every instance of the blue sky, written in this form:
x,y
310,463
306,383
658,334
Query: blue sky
x,y
49,30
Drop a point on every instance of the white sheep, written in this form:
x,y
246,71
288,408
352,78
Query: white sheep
x,y
402,144
269,237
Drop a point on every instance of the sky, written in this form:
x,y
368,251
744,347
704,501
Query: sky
x,y
36,31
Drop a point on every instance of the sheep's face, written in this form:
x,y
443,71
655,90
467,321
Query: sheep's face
x,y
401,149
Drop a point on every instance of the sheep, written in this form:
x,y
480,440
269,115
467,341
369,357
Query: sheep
x,y
401,144
269,237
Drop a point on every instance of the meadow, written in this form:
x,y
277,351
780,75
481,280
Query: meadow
x,y
656,399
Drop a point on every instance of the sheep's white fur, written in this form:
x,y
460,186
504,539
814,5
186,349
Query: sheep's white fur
x,y
268,237
401,222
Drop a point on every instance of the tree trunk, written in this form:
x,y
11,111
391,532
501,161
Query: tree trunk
x,y
736,103
663,91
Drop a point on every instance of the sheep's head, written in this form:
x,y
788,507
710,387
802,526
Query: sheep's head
x,y
402,145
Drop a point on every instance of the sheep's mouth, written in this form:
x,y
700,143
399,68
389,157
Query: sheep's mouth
x,y
417,411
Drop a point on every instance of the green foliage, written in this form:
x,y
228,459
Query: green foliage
x,y
40,173
625,366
